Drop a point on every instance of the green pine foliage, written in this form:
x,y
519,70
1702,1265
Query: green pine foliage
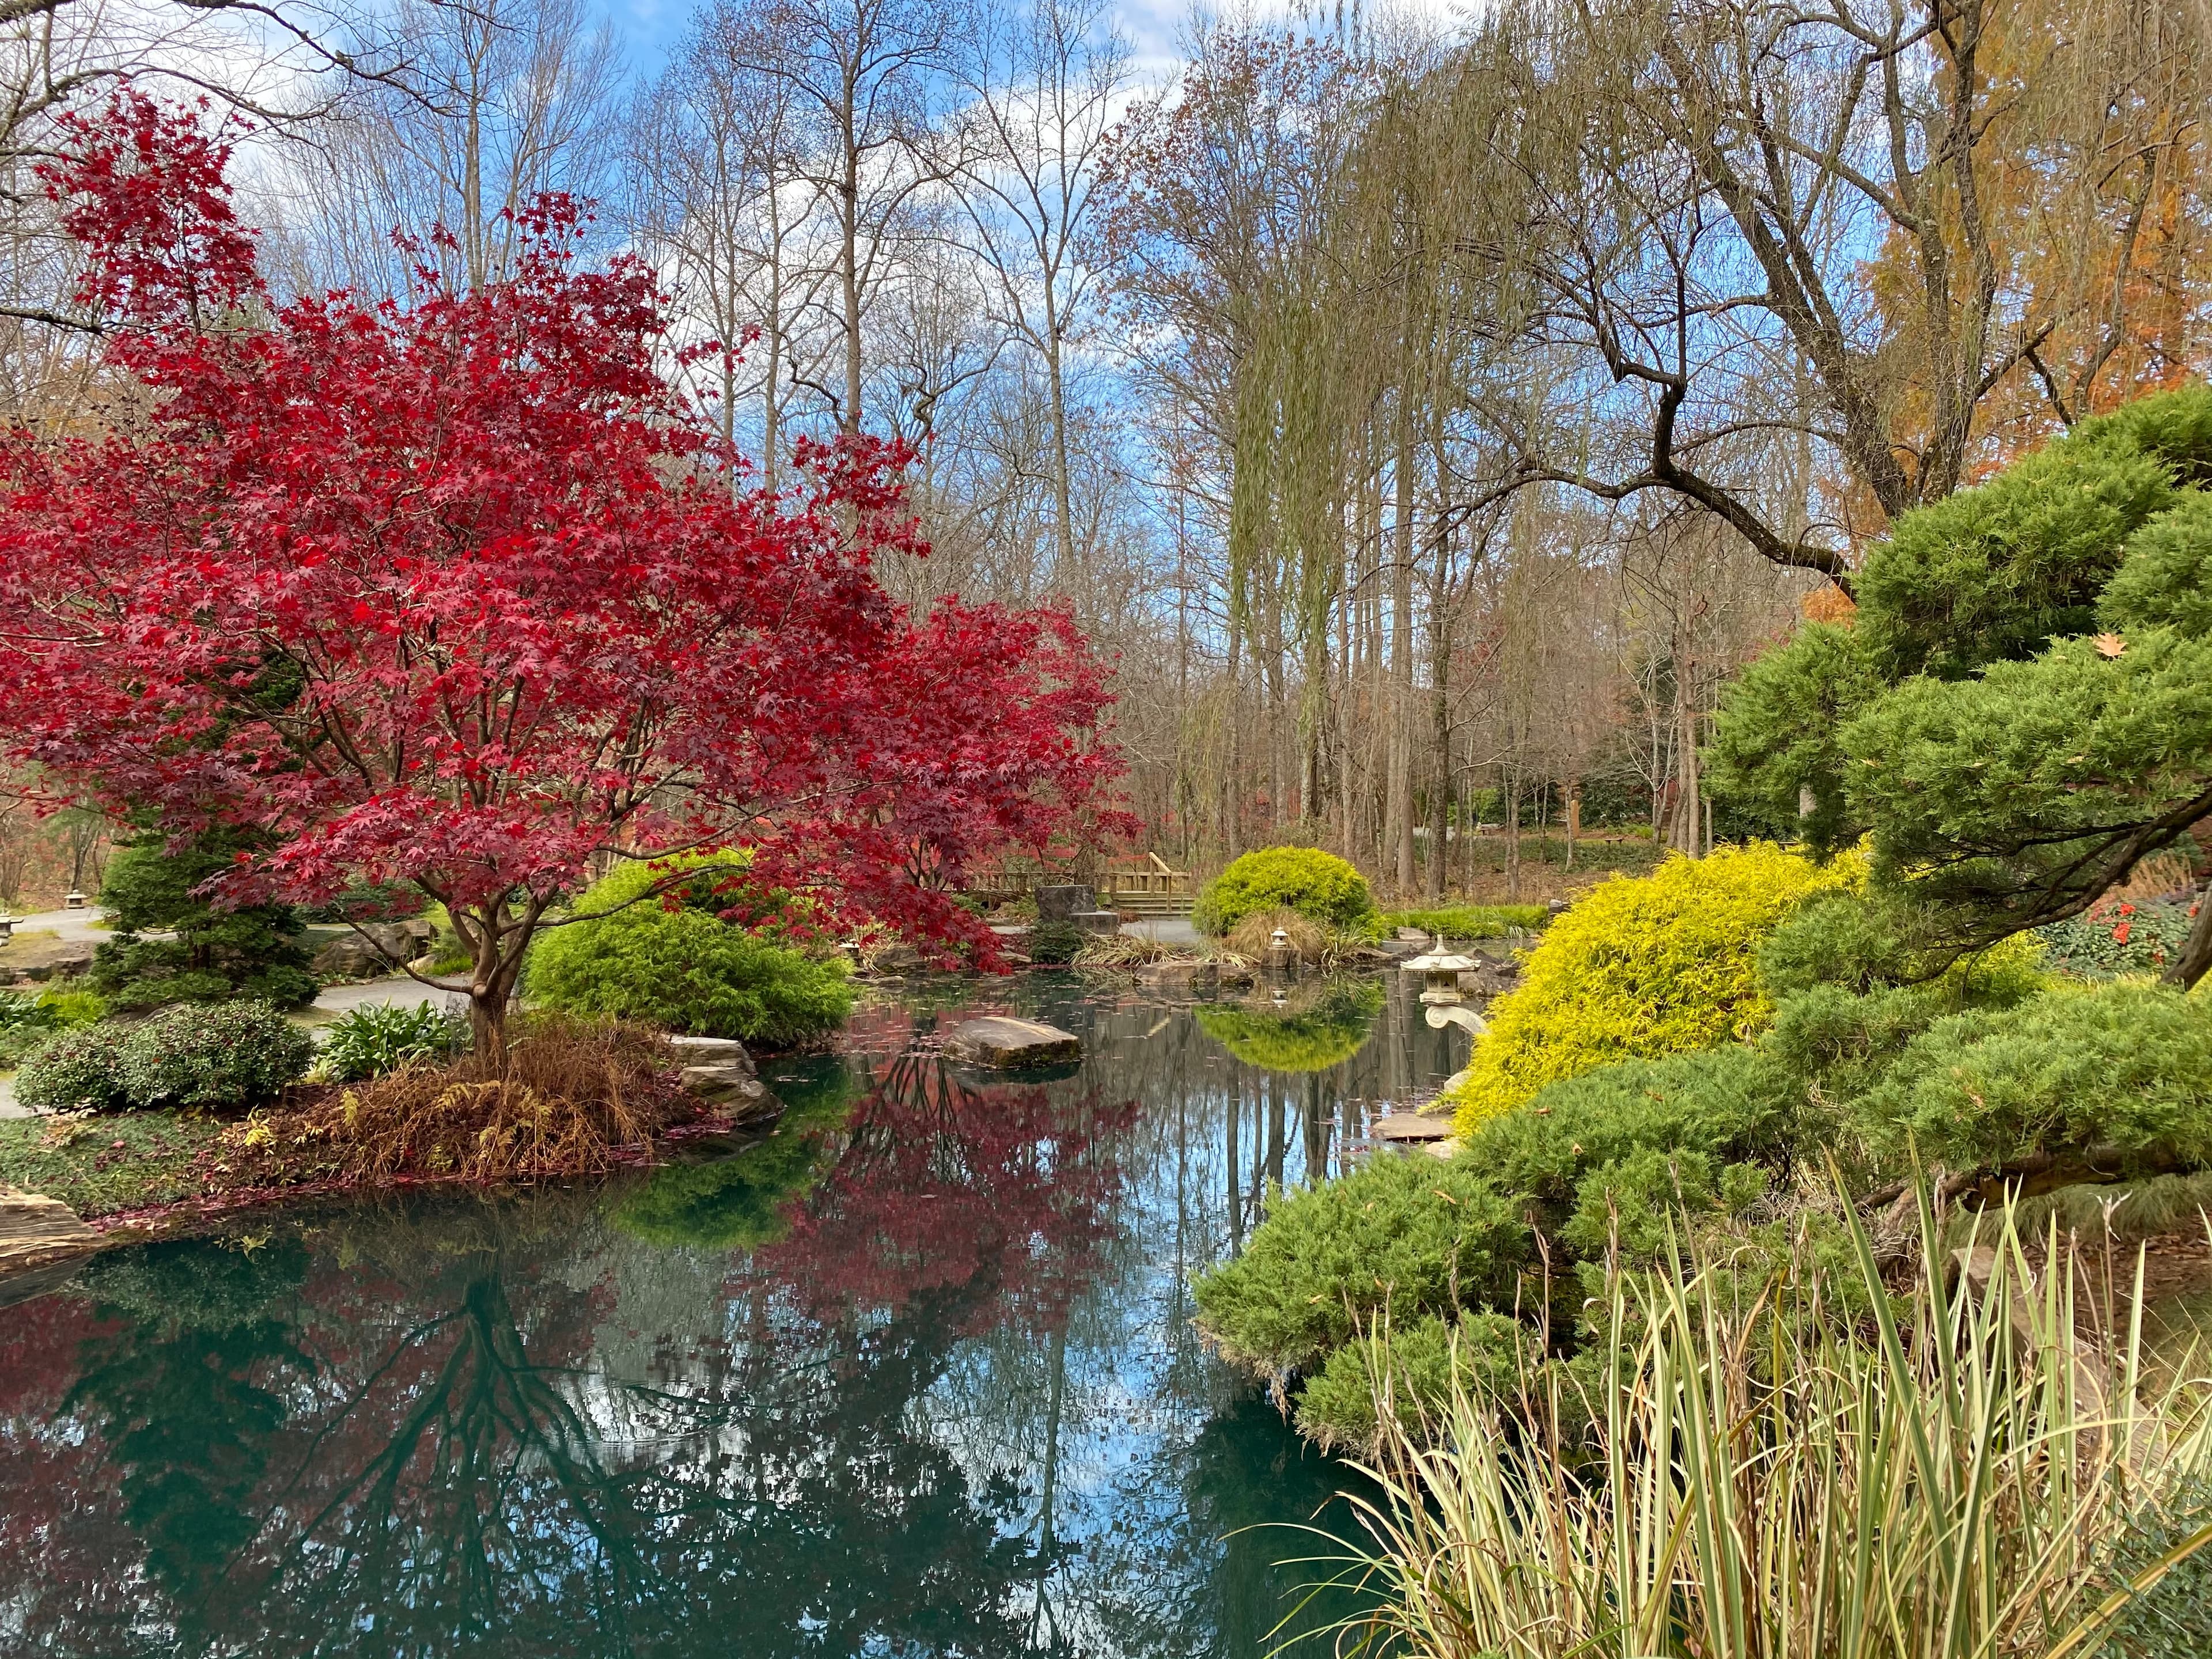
x,y
211,956
672,960
1405,1235
2022,707
1320,886
2118,1075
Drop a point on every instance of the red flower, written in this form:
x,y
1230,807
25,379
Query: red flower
x,y
2120,932
2127,909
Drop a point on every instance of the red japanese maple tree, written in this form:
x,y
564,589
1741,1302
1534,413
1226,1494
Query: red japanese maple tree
x,y
456,594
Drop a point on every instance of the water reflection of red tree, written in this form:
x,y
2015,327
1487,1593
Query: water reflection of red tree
x,y
999,1190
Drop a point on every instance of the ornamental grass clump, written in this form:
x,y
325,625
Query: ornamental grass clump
x,y
1761,1469
573,1096
1642,967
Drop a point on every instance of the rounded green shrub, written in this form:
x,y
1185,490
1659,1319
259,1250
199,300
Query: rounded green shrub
x,y
1054,942
78,1071
1641,967
213,1056
670,960
1316,885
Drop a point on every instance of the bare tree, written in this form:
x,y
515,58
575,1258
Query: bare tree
x,y
865,75
1047,80
500,101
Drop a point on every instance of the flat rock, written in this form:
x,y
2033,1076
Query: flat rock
x,y
35,1228
1181,975
1096,922
725,1086
713,1051
1410,1126
1003,1042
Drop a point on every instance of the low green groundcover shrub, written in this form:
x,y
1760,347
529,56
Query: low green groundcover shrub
x,y
1408,1235
1459,922
672,960
78,1162
219,1056
1055,942
1318,885
369,1042
1337,1409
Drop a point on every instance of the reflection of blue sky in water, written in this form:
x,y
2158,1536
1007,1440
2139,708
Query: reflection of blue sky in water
x,y
512,1425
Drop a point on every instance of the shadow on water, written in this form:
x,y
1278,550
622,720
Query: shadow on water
x,y
914,1375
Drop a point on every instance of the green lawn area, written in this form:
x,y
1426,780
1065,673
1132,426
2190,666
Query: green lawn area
x,y
99,1165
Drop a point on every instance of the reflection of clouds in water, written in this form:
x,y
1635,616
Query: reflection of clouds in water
x,y
909,1420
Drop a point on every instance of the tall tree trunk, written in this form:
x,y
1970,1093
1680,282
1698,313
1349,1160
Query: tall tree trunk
x,y
1440,735
1399,813
1512,832
848,213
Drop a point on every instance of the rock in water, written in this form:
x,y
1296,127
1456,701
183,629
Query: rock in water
x,y
720,1071
35,1229
1005,1043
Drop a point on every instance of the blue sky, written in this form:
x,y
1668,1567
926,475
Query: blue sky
x,y
648,28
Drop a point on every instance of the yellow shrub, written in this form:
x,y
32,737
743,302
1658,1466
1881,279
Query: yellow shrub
x,y
1642,967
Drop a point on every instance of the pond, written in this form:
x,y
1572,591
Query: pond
x,y
914,1375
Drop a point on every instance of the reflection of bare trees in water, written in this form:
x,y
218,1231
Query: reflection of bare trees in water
x,y
511,1423
999,1190
441,1460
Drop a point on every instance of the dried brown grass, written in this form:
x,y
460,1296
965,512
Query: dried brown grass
x,y
573,1097
2159,876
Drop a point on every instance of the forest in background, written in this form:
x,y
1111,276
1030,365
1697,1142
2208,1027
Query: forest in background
x,y
1427,417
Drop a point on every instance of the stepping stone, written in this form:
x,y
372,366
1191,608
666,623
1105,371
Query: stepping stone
x,y
1410,1127
35,1228
1005,1043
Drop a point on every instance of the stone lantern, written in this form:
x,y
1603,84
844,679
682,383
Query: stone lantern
x,y
7,927
1441,1004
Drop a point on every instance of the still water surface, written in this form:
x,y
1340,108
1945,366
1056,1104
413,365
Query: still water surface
x,y
915,1375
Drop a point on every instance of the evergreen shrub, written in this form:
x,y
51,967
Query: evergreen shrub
x,y
78,1071
673,960
1318,885
252,953
1641,967
1337,1408
1408,1235
2124,1068
1055,942
219,1056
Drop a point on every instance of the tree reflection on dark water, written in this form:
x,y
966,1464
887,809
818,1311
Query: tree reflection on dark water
x,y
914,1375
